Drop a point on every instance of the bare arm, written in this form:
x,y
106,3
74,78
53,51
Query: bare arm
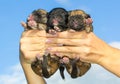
x,y
29,47
31,77
89,48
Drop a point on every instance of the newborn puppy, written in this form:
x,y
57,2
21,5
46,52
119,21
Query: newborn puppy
x,y
37,20
57,22
45,65
78,21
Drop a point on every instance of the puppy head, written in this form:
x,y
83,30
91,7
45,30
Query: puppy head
x,y
78,20
37,19
40,16
58,17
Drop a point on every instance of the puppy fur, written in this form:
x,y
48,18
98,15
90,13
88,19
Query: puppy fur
x,y
37,20
57,20
43,66
78,21
46,67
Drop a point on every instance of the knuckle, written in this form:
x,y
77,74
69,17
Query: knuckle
x,y
26,56
22,40
89,42
22,48
87,50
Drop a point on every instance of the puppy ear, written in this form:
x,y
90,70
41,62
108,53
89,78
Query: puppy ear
x,y
87,16
47,14
69,12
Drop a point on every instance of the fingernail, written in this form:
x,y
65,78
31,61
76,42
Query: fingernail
x,y
48,50
56,53
46,53
48,41
60,44
71,31
77,57
52,35
39,57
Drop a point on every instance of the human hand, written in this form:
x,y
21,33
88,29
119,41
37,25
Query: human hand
x,y
86,46
32,43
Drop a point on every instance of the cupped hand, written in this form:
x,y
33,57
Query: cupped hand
x,y
32,44
86,46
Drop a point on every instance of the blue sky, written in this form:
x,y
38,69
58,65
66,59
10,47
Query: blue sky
x,y
106,20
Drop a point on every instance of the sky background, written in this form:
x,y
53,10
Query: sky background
x,y
106,22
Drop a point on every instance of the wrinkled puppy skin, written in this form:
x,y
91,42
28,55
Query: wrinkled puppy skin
x,y
57,22
78,21
37,20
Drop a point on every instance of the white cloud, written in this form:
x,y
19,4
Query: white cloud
x,y
115,44
15,76
96,75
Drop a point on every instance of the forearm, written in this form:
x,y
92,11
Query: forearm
x,y
31,77
111,61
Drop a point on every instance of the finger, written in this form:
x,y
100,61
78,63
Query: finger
x,y
35,32
67,49
64,54
31,56
35,47
53,45
33,40
24,24
70,35
72,42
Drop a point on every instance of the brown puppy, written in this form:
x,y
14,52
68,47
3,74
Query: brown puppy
x,y
78,20
37,20
45,65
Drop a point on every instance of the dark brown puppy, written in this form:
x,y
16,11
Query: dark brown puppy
x,y
57,22
78,20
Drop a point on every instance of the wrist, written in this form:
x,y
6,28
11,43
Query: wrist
x,y
111,61
106,56
24,60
